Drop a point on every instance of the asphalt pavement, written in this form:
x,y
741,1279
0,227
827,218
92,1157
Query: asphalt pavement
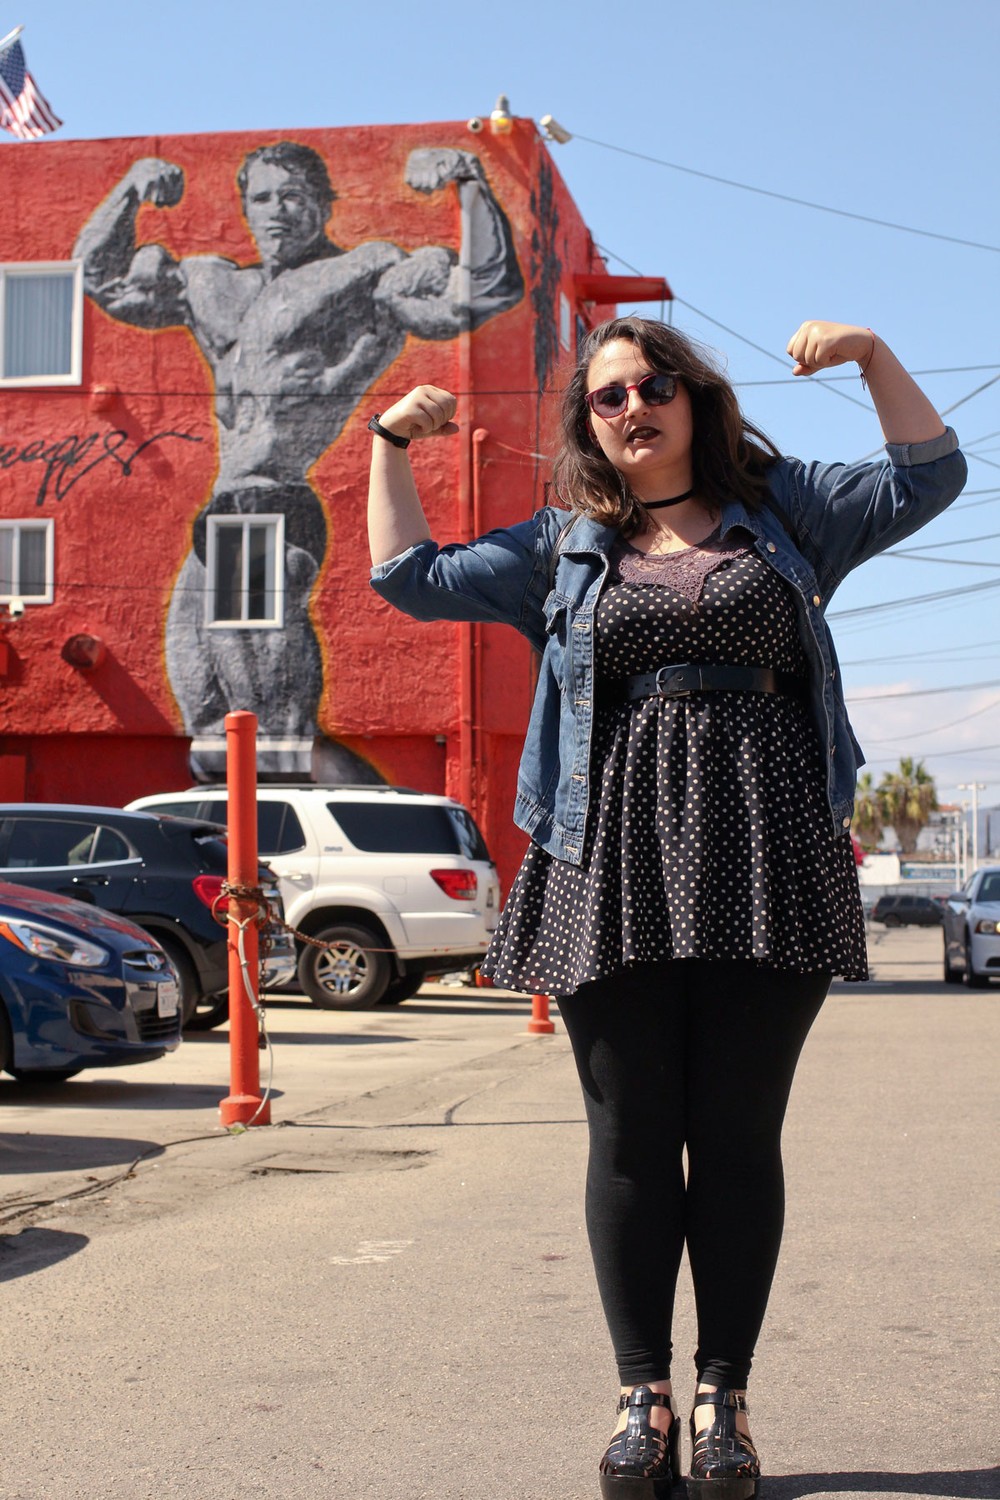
x,y
388,1292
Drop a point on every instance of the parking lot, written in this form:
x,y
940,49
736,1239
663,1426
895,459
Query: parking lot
x,y
391,1282
318,1058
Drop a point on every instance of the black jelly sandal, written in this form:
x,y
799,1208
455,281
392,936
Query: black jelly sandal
x,y
724,1463
642,1463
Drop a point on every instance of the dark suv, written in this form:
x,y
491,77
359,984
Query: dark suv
x,y
161,873
908,911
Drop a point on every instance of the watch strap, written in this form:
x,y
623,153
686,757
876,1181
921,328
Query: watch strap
x,y
383,432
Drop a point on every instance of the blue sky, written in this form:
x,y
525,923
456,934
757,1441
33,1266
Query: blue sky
x,y
885,109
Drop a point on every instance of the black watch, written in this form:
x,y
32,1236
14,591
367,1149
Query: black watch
x,y
383,432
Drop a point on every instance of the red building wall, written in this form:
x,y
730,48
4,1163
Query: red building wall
x,y
182,370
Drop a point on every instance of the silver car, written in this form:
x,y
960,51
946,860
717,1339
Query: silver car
x,y
972,930
394,884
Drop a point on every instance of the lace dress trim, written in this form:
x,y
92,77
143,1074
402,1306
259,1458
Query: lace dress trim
x,y
684,571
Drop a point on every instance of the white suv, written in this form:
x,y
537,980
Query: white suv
x,y
400,883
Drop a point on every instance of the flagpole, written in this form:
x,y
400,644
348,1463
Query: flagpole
x,y
11,36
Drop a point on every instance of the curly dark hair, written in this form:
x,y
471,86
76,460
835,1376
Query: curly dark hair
x,y
303,161
730,456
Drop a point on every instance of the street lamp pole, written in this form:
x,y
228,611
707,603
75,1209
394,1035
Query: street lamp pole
x,y
975,787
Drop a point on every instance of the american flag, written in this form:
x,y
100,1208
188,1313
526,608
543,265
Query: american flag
x,y
23,110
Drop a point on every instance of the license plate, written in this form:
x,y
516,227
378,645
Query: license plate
x,y
167,998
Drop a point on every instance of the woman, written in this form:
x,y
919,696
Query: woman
x,y
687,783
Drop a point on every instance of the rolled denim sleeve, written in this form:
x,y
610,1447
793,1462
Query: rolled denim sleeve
x,y
907,455
499,577
844,514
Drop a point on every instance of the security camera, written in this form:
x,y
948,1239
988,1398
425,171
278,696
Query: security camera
x,y
15,608
475,125
554,131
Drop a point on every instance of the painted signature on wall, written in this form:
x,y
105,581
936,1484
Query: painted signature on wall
x,y
66,460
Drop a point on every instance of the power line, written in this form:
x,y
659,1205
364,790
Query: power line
x,y
938,729
961,651
870,609
969,750
829,379
915,555
792,381
962,399
945,411
779,359
825,208
827,384
992,496
956,687
965,541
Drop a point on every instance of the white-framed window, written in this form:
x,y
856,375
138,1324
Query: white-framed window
x,y
565,321
244,558
27,561
41,322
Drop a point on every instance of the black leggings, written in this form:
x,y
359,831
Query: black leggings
x,y
701,1055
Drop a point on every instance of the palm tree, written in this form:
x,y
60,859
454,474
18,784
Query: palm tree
x,y
868,820
907,798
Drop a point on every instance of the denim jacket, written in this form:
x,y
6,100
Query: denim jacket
x,y
839,515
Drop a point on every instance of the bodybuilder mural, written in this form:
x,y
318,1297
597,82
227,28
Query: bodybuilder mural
x,y
293,341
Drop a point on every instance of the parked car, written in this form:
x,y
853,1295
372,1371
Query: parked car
x,y
400,883
161,873
79,988
907,911
972,930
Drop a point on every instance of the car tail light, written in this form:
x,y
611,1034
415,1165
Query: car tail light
x,y
460,885
208,888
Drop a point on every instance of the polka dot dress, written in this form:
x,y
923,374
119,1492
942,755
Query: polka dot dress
x,y
708,834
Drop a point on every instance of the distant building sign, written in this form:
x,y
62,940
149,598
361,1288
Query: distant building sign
x,y
917,870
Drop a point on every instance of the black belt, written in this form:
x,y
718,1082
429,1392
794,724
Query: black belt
x,y
680,681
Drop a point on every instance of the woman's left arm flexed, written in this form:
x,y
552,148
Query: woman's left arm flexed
x,y
904,412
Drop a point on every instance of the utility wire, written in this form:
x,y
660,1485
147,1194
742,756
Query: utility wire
x,y
965,541
870,609
533,392
953,562
945,411
843,213
962,399
969,750
955,687
961,652
829,379
768,353
938,729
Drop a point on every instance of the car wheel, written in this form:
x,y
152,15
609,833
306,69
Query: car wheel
x,y
209,1011
403,988
184,972
973,980
349,975
891,921
6,1041
951,974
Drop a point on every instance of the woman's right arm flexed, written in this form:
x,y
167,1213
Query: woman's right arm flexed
x,y
395,516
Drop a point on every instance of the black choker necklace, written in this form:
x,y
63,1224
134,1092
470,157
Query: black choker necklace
x,y
661,504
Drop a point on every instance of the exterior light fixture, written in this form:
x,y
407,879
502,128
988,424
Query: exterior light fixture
x,y
501,119
84,651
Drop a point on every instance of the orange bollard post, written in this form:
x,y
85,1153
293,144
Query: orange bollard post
x,y
244,1104
540,1025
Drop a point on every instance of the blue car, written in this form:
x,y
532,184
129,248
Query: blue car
x,y
79,988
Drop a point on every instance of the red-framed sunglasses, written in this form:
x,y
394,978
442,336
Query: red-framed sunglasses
x,y
611,400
